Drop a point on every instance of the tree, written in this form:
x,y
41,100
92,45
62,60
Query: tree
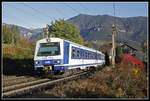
x,y
88,44
11,34
6,34
15,34
66,30
144,46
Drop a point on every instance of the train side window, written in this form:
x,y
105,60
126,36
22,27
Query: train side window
x,y
102,57
81,55
86,55
96,56
73,53
99,56
90,55
78,54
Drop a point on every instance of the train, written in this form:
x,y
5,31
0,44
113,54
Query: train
x,y
56,55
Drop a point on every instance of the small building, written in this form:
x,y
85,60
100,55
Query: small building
x,y
126,48
132,49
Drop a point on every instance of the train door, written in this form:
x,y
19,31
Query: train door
x,y
66,52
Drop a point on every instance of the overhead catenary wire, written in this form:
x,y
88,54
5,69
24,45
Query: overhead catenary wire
x,y
24,11
86,8
43,14
72,8
21,20
60,12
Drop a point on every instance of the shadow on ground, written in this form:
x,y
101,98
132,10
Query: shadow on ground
x,y
18,67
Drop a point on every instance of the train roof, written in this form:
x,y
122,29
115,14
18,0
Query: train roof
x,y
59,39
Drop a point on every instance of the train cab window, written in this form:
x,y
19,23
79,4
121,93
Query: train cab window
x,y
49,49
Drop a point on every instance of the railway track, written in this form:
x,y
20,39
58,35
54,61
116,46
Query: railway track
x,y
33,86
18,81
13,78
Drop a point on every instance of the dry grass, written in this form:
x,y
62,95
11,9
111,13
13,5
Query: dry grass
x,y
17,52
125,81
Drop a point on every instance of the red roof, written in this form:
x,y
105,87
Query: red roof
x,y
131,59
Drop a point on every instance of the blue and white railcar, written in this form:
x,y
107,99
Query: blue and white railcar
x,y
61,55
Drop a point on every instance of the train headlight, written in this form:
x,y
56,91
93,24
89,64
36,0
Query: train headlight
x,y
36,62
57,61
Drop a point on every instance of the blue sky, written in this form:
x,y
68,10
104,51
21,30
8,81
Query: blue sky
x,y
38,14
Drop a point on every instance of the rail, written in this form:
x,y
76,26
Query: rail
x,y
29,87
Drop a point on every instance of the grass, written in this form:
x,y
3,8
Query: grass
x,y
15,52
121,82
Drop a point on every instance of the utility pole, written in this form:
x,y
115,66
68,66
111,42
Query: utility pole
x,y
113,39
113,45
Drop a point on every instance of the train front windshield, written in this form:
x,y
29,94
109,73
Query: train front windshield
x,y
49,49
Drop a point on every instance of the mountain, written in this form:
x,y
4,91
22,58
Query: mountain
x,y
99,27
31,34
